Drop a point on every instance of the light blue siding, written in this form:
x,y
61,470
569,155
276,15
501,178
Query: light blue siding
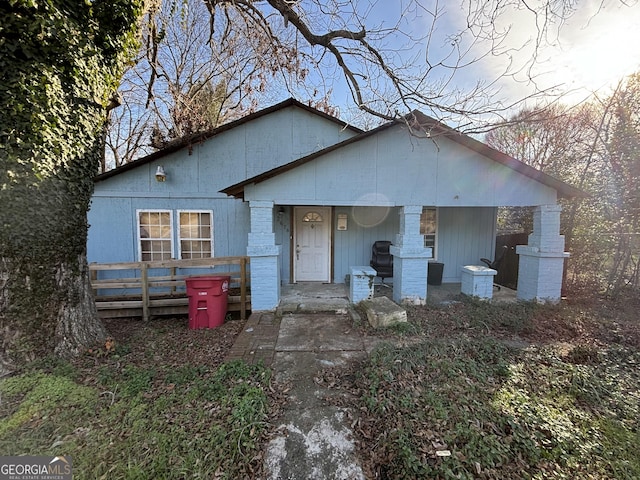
x,y
109,222
394,168
464,236
195,176
352,247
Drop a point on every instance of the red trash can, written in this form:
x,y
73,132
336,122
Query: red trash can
x,y
207,301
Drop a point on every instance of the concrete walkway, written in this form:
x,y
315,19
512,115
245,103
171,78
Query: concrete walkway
x,y
311,330
314,439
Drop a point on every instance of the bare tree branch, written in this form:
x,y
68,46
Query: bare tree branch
x,y
390,58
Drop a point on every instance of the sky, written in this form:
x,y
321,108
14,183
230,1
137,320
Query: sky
x,y
597,46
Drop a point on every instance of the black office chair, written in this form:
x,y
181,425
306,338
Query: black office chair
x,y
381,259
496,263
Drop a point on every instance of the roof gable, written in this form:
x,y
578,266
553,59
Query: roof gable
x,y
191,140
435,128
426,127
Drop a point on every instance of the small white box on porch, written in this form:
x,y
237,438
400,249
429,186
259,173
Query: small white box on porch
x,y
477,281
361,283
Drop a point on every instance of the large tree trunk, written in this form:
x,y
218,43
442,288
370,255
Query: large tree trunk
x,y
46,304
61,62
78,325
46,309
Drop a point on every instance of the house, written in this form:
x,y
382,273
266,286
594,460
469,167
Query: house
x,y
305,196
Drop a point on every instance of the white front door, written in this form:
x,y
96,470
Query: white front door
x,y
312,242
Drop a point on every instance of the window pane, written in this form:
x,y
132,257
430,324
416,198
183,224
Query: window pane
x,y
155,235
430,241
186,224
145,247
155,231
155,249
195,235
185,248
205,231
186,231
161,249
429,227
428,221
312,217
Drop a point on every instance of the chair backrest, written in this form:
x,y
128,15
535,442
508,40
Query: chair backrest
x,y
381,258
497,261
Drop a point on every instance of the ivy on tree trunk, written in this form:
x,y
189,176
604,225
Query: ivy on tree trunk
x,y
60,62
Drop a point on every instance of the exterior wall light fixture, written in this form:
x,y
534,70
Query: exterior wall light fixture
x,y
161,176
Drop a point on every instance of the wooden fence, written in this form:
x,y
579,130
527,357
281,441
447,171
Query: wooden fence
x,y
158,288
508,271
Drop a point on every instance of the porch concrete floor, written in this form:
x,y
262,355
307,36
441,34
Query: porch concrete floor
x,y
336,295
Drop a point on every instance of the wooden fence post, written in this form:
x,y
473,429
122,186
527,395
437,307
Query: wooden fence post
x,y
172,272
144,276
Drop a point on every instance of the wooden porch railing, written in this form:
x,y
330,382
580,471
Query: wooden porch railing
x,y
158,287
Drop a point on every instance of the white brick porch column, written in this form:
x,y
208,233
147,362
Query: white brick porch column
x,y
265,275
410,259
542,260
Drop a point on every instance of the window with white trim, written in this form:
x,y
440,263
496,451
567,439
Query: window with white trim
x,y
195,233
429,228
155,235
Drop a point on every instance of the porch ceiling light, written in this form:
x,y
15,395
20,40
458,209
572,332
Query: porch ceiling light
x,y
161,176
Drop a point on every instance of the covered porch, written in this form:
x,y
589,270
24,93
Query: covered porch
x,y
466,234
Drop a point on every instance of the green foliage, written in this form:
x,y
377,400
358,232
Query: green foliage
x,y
53,365
141,423
516,317
135,380
60,63
478,409
47,404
